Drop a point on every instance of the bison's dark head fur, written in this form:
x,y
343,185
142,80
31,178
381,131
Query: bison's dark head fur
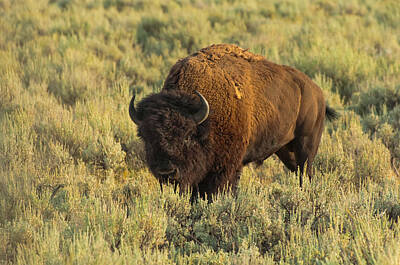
x,y
175,140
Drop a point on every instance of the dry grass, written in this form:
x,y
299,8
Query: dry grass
x,y
73,185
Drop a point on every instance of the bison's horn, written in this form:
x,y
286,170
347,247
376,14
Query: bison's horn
x,y
133,112
202,114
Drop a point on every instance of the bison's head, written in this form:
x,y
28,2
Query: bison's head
x,y
174,128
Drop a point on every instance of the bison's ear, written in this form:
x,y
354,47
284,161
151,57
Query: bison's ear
x,y
133,112
203,131
202,114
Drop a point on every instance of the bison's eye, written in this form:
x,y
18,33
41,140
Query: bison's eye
x,y
186,141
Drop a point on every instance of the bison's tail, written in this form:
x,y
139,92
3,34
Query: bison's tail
x,y
331,114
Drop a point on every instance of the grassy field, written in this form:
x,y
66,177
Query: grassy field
x,y
73,185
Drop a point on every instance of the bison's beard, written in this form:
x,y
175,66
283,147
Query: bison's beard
x,y
189,172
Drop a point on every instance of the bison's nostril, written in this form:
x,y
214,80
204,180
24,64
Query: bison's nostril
x,y
167,173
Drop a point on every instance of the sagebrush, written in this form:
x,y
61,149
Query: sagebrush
x,y
73,185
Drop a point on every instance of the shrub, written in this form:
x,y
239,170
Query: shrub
x,y
352,154
74,187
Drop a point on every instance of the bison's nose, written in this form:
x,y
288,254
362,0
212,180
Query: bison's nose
x,y
167,173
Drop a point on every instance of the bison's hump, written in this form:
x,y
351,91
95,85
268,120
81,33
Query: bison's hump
x,y
217,51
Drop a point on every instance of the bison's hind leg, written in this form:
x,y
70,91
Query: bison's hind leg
x,y
287,156
292,158
295,154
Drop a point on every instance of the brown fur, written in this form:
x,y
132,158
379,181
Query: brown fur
x,y
257,108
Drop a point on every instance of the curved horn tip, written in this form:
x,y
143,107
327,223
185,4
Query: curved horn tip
x,y
132,111
202,114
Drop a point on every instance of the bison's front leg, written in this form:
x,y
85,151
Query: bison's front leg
x,y
218,180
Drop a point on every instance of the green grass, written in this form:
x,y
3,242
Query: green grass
x,y
74,188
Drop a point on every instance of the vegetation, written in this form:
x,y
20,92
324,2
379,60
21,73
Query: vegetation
x,y
73,185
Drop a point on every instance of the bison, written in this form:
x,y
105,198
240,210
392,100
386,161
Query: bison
x,y
222,108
